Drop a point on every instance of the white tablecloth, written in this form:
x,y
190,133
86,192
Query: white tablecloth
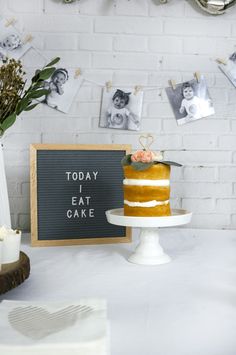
x,y
187,307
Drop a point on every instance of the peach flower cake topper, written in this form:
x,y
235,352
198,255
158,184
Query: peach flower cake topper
x,y
145,159
144,156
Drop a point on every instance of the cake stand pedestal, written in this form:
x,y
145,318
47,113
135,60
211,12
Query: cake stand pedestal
x,y
149,250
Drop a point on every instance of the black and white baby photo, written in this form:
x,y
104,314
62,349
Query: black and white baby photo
x,y
229,69
121,109
63,86
12,44
190,101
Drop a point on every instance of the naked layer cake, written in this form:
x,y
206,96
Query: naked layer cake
x,y
146,184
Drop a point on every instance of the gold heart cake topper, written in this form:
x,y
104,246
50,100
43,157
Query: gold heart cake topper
x,y
146,141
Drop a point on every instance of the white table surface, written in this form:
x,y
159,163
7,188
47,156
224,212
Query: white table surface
x,y
186,307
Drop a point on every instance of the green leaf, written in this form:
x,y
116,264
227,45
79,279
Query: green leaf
x,y
167,162
38,84
8,122
22,104
1,131
126,160
35,78
54,61
38,93
46,73
37,71
31,107
141,166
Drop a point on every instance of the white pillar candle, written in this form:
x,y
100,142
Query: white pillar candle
x,y
1,243
10,245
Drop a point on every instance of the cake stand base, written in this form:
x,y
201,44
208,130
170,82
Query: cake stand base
x,y
149,251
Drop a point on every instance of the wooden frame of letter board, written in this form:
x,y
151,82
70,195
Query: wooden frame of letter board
x,y
33,200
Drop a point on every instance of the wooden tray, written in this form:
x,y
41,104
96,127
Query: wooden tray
x,y
12,275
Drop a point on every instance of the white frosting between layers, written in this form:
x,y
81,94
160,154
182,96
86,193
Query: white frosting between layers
x,y
153,203
143,182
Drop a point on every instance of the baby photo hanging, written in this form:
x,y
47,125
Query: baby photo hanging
x,y
229,68
12,43
63,85
121,109
190,100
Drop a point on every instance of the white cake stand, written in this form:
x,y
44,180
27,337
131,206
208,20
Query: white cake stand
x,y
149,251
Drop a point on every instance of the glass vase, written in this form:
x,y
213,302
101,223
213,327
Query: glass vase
x,y
5,216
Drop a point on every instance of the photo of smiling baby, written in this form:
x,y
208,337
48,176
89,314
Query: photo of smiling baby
x,y
229,68
63,86
190,101
12,44
121,109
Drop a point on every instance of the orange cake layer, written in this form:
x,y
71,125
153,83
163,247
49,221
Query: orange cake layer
x,y
158,211
146,193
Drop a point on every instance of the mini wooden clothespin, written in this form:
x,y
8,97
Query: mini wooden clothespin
x,y
197,76
137,88
77,73
221,61
28,38
108,85
10,21
172,83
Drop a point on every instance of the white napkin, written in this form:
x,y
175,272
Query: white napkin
x,y
61,327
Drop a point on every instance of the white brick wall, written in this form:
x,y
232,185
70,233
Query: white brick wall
x,y
134,42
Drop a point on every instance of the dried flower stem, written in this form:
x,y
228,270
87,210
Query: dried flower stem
x,y
14,98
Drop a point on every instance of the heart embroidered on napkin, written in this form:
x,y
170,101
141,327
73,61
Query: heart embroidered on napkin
x,y
37,323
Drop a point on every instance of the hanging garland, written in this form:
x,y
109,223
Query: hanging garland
x,y
215,7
